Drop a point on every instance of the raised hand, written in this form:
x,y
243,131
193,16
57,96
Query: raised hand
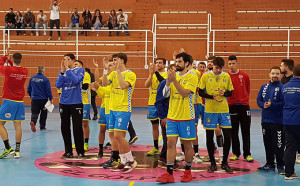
x,y
105,63
62,66
95,85
151,68
95,63
174,54
171,75
221,92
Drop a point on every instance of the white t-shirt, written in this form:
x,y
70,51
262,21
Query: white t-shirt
x,y
44,18
125,18
54,13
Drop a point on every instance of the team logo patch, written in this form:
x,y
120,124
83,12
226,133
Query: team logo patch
x,y
148,168
208,120
61,110
120,119
7,115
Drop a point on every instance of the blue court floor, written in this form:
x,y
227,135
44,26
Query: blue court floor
x,y
23,172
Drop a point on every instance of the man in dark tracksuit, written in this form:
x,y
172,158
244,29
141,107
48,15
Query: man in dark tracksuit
x,y
270,100
291,122
39,90
70,105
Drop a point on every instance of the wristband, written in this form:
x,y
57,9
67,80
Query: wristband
x,y
104,71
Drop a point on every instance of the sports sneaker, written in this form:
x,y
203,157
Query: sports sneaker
x,y
212,168
162,160
187,176
266,168
107,146
226,167
129,166
16,155
132,140
234,157
100,154
180,157
82,156
281,170
298,158
292,177
153,152
111,164
249,159
166,178
50,38
197,158
206,159
67,155
86,146
118,168
33,129
7,152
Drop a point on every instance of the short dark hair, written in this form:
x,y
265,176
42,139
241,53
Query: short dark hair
x,y
202,63
211,57
11,9
87,70
297,70
185,56
120,10
79,62
70,55
219,62
232,57
163,59
121,56
289,63
41,10
276,68
17,57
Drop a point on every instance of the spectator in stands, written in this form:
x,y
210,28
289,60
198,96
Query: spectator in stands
x,y
87,20
29,20
10,20
41,22
201,66
54,17
97,20
20,22
112,21
74,20
122,21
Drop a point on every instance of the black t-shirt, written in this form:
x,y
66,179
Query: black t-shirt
x,y
285,79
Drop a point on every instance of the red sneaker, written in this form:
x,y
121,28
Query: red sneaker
x,y
166,178
187,176
33,129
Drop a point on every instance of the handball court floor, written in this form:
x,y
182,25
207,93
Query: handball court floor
x,y
34,146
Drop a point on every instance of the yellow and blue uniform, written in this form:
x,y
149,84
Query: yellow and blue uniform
x,y
152,112
120,100
196,106
216,113
86,97
181,115
104,94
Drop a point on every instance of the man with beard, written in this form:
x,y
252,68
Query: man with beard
x,y
216,86
180,87
270,100
286,67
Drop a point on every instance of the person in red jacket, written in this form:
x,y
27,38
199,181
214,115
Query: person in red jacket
x,y
12,108
239,110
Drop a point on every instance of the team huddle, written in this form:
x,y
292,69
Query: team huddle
x,y
178,99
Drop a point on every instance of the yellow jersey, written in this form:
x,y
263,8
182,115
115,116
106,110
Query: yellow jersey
x,y
180,108
212,83
104,94
120,100
200,100
198,74
153,88
86,94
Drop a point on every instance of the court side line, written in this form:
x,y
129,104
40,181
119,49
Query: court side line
x,y
131,183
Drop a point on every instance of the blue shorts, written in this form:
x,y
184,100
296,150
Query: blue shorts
x,y
152,113
211,120
186,130
118,121
102,118
12,110
86,111
201,111
196,113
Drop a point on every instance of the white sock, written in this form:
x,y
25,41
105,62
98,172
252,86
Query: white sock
x,y
129,156
123,159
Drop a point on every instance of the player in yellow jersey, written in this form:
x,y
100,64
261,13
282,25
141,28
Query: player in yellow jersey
x,y
180,87
152,83
122,83
86,100
216,86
